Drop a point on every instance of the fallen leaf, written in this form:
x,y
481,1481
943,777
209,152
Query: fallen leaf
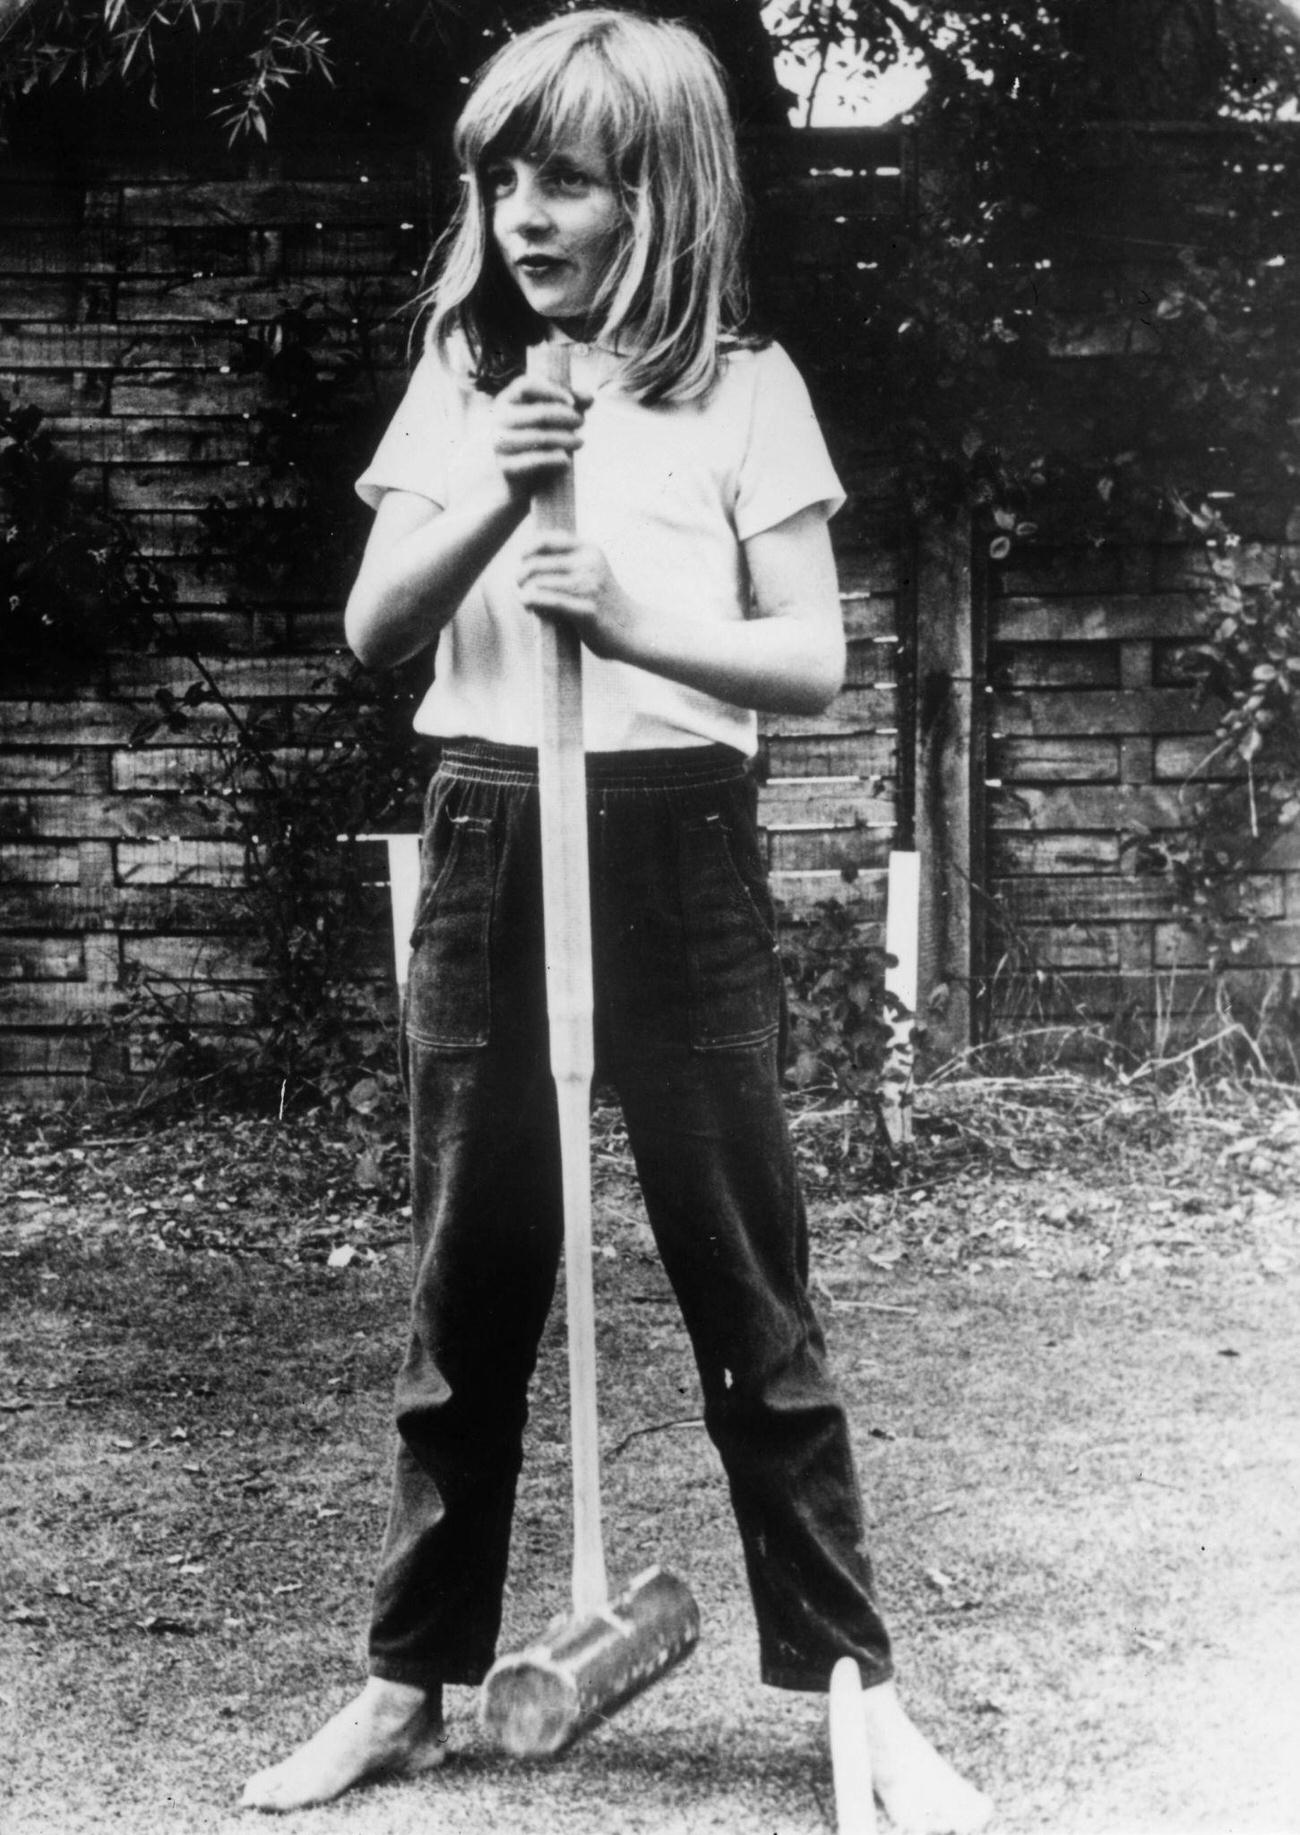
x,y
158,1624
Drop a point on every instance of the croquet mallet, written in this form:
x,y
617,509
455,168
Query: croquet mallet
x,y
585,1665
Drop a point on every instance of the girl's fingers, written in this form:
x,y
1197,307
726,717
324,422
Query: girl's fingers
x,y
526,439
537,388
558,605
548,542
538,405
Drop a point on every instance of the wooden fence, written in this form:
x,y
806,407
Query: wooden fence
x,y
1095,734
1015,724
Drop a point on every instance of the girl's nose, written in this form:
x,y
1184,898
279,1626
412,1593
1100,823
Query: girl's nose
x,y
525,208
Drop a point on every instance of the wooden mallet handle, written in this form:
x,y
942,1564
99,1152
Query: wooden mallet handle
x,y
566,900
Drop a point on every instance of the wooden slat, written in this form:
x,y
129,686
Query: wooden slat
x,y
870,617
817,755
1064,898
227,959
78,909
1155,711
112,440
1285,851
243,678
856,710
1090,619
1195,759
85,722
154,769
180,862
61,1003
259,299
800,893
79,772
1064,995
110,817
827,802
248,201
1073,666
1065,946
1078,806
196,394
1012,853
197,958
42,864
833,850
1277,946
1056,760
41,959
141,347
45,1063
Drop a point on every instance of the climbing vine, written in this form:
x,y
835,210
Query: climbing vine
x,y
74,583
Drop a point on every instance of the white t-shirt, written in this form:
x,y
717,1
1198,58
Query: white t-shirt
x,y
668,493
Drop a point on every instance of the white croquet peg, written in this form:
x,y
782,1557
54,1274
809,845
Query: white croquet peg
x,y
855,1803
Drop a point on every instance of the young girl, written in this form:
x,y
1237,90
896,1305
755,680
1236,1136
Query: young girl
x,y
601,208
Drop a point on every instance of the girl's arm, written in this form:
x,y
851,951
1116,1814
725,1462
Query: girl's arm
x,y
786,658
421,560
419,563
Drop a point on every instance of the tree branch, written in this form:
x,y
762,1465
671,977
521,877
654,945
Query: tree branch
x,y
13,13
916,39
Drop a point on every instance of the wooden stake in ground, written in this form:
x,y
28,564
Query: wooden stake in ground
x,y
855,1805
586,1665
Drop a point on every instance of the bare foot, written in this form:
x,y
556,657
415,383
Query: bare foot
x,y
389,1730
918,1788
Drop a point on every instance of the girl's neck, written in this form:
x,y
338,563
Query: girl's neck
x,y
575,331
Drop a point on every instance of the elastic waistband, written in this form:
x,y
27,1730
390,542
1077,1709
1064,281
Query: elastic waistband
x,y
477,761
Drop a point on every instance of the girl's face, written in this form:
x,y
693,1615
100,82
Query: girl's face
x,y
557,222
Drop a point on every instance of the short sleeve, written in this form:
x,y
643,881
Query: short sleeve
x,y
415,452
785,466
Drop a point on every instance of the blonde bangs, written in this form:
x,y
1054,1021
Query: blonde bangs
x,y
545,95
652,97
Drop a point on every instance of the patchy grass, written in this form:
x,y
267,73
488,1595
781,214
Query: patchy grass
x,y
1070,1356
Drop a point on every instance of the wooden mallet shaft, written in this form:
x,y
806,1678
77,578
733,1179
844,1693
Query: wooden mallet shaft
x,y
536,1701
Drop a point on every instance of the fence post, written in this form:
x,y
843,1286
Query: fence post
x,y
947,725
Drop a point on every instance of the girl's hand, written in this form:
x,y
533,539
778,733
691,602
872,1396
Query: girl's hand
x,y
562,577
536,429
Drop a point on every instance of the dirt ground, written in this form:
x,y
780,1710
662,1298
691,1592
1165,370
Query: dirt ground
x,y
1069,1350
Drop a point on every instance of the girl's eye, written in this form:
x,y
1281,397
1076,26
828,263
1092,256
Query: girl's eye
x,y
567,178
498,180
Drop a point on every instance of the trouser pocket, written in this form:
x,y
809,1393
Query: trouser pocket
x,y
732,957
449,996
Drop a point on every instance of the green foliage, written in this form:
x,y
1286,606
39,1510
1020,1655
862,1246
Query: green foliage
x,y
1249,667
951,337
1039,54
299,778
73,582
850,1036
254,51
839,1033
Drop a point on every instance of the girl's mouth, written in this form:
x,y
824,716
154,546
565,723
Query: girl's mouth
x,y
538,267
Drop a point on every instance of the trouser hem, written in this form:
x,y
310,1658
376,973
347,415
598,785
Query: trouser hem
x,y
818,1681
430,1678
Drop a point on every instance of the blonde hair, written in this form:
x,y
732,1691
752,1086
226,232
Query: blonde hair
x,y
653,98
